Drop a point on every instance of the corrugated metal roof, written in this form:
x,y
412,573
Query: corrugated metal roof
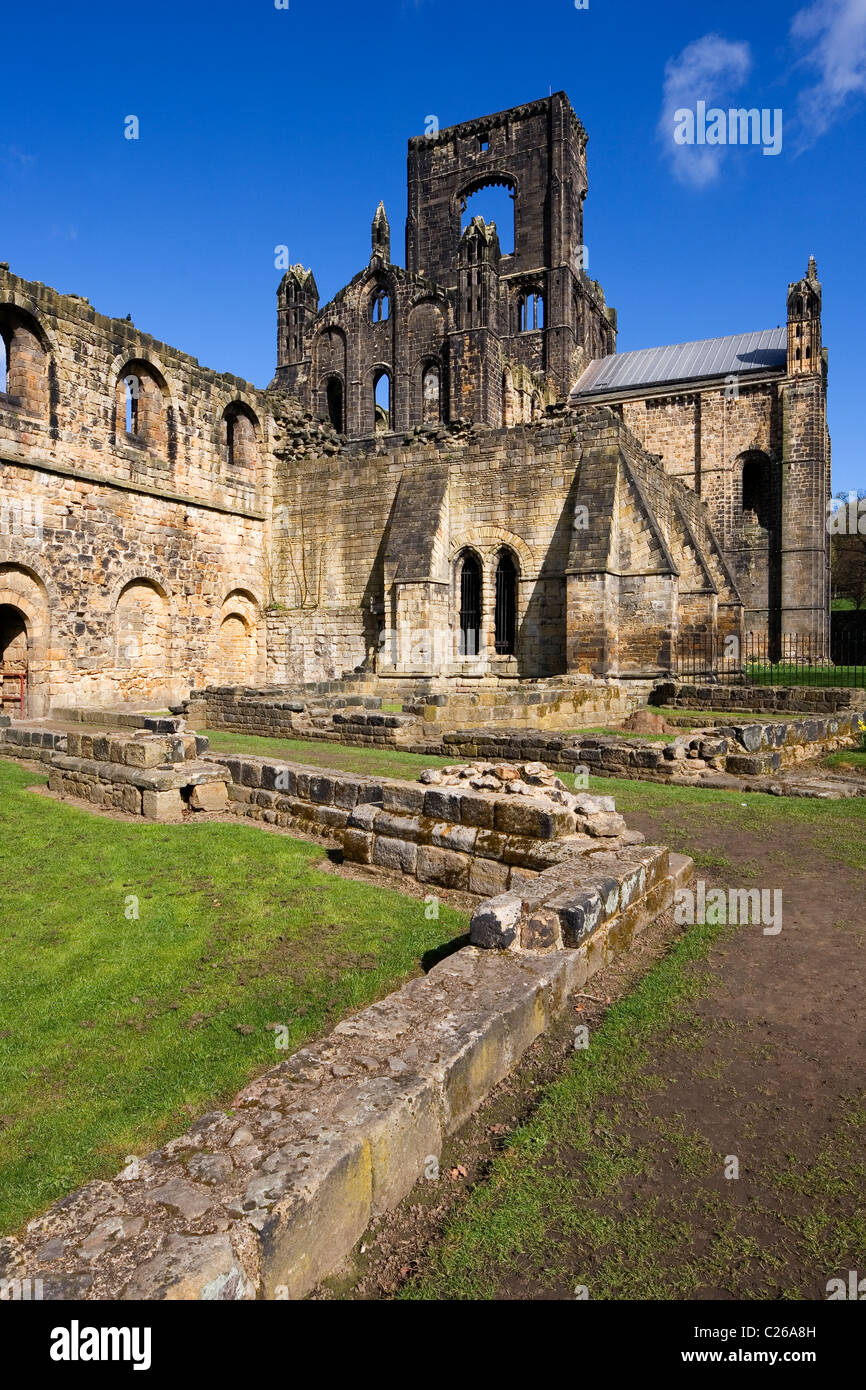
x,y
737,354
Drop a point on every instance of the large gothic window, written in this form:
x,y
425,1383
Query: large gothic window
x,y
382,400
380,308
470,605
531,313
506,605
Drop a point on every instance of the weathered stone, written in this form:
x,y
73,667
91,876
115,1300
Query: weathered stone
x,y
162,806
192,1267
209,796
495,923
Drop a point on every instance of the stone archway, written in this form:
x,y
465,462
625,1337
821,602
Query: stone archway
x,y
13,661
24,639
238,658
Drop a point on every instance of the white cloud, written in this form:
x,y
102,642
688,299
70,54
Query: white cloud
x,y
834,34
709,70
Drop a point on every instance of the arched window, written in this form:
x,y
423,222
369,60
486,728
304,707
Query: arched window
x,y
380,307
239,437
756,491
431,394
382,400
531,313
24,360
132,386
144,408
506,605
495,202
470,605
334,393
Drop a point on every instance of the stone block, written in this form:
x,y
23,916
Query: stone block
x,y
391,853
487,877
162,806
444,804
400,827
442,866
495,923
403,798
209,796
533,819
459,837
358,846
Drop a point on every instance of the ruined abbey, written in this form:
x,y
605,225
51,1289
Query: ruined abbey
x,y
453,475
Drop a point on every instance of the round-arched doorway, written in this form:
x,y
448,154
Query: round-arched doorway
x,y
13,660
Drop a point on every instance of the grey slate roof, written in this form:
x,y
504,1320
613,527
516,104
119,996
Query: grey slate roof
x,y
710,357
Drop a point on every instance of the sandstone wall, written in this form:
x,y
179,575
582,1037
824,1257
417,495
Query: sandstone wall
x,y
137,559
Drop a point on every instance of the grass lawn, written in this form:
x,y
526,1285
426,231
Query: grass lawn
x,y
853,757
616,1181
786,674
373,762
623,733
117,1029
837,829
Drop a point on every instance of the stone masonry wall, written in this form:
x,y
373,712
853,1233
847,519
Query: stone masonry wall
x,y
125,553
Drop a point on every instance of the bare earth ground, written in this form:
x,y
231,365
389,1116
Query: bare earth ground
x,y
765,1062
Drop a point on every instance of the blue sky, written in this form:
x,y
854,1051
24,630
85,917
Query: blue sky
x,y
261,127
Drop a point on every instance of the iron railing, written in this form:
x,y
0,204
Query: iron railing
x,y
786,659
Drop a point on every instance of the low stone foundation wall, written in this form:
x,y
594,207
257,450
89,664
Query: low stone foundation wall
x,y
39,744
156,775
266,1198
602,896
760,699
530,704
358,718
741,750
447,830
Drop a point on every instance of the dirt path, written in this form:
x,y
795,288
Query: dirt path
x,y
621,1179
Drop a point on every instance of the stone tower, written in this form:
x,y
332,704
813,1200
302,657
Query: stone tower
x,y
804,323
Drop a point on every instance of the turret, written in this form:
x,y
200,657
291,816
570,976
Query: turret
x,y
297,306
477,275
381,235
804,323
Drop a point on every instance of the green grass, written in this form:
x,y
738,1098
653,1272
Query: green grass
x,y
374,762
116,1030
564,1204
623,733
761,673
838,828
847,758
524,1211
